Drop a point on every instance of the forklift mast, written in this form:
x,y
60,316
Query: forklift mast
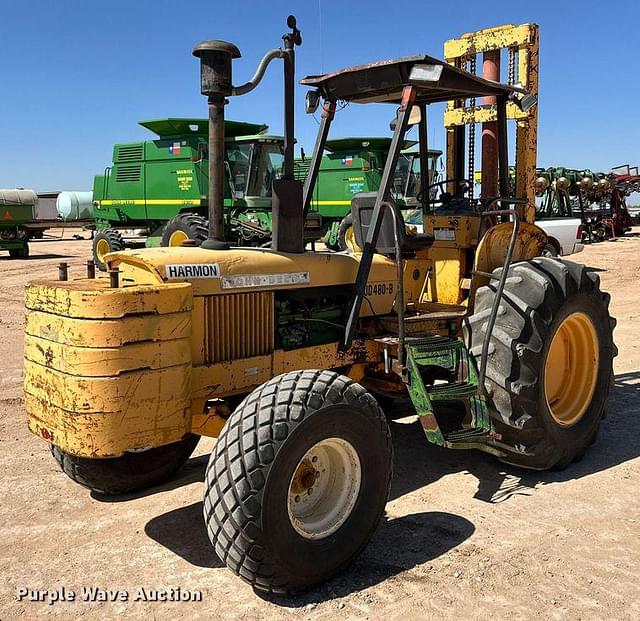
x,y
521,46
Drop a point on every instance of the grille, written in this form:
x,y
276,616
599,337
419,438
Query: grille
x,y
238,325
129,153
301,169
128,173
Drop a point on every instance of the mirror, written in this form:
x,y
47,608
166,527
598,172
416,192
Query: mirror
x,y
415,117
311,101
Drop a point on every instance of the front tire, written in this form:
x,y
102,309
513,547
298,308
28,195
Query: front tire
x,y
106,241
183,227
346,235
298,480
130,472
550,364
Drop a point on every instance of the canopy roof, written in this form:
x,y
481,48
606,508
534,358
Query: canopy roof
x,y
373,143
435,80
168,128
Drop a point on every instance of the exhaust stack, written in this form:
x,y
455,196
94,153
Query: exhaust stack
x,y
217,84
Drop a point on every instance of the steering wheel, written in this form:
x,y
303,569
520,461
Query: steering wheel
x,y
445,196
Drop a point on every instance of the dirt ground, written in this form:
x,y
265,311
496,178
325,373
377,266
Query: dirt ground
x,y
464,536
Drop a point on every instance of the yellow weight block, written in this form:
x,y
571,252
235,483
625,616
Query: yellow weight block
x,y
95,299
106,362
107,332
108,434
135,391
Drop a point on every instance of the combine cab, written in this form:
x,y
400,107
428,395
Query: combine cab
x,y
354,165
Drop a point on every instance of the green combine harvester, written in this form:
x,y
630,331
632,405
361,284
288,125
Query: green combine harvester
x,y
159,187
353,165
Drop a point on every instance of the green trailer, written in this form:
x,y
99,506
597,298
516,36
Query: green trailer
x,y
159,187
353,165
17,209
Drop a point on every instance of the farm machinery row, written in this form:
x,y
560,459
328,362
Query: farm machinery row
x,y
598,199
159,187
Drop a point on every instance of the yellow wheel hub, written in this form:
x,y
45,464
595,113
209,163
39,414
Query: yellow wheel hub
x,y
177,237
103,247
571,369
350,240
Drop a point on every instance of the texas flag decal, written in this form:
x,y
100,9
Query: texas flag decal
x,y
174,149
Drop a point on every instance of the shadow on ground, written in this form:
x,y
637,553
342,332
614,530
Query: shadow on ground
x,y
418,463
399,544
408,541
183,532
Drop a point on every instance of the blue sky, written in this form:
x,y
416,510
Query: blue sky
x,y
78,75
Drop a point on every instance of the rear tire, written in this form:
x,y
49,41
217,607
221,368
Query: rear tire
x,y
130,472
550,251
538,397
600,233
105,241
262,519
185,226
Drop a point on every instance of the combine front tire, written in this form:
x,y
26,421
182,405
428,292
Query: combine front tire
x,y
131,471
298,480
185,226
346,235
550,362
104,242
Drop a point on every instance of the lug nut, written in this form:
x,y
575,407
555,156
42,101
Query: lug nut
x,y
297,498
314,459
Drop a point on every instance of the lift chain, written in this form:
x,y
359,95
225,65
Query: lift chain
x,y
512,66
472,133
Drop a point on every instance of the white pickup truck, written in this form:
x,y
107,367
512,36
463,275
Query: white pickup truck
x,y
565,236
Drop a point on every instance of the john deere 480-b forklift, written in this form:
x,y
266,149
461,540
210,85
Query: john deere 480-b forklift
x,y
284,354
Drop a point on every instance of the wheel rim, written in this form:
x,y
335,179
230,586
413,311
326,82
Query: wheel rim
x,y
350,240
571,369
103,248
324,488
177,237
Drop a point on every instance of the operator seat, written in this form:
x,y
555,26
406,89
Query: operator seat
x,y
362,205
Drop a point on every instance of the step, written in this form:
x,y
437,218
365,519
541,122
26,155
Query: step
x,y
451,391
467,435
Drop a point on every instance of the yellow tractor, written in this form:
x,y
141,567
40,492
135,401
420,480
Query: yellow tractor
x,y
286,355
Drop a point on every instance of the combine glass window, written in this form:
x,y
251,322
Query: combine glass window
x,y
252,167
239,161
267,166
